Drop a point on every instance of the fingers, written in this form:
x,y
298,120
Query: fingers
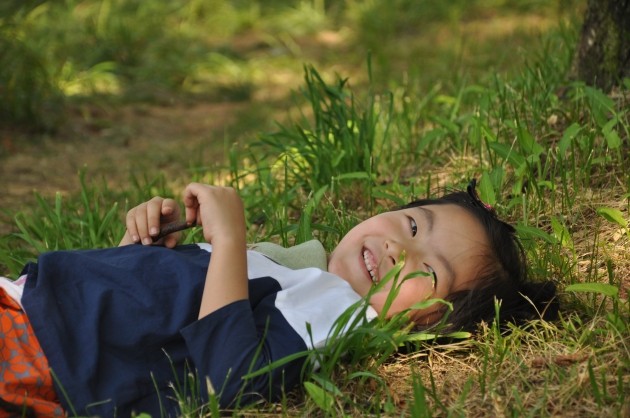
x,y
170,211
153,214
145,220
191,203
171,240
219,210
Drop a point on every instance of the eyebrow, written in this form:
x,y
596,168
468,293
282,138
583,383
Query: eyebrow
x,y
429,218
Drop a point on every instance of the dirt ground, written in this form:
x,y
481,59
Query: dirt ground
x,y
112,144
172,136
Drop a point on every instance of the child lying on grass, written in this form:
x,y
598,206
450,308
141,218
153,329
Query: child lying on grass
x,y
106,332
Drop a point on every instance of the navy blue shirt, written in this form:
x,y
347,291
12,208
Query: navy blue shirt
x,y
119,327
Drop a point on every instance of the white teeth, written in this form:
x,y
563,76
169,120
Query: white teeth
x,y
371,269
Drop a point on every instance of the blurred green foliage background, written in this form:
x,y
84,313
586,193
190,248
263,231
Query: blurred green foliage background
x,y
139,50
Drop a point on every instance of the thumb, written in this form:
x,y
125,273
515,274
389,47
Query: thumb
x,y
191,204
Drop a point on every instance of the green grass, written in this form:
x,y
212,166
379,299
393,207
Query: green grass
x,y
426,109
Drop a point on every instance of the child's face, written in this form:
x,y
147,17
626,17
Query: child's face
x,y
444,240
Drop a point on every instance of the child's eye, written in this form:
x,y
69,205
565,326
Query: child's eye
x,y
413,225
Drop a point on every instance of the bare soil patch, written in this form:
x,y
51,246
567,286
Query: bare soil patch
x,y
112,144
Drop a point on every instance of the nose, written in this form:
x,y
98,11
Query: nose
x,y
393,251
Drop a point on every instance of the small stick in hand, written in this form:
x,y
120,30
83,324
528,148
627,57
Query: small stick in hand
x,y
172,227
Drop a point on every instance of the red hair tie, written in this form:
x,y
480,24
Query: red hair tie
x,y
472,192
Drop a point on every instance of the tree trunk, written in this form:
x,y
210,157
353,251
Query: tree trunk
x,y
603,53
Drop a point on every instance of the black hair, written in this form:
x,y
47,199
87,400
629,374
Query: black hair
x,y
503,278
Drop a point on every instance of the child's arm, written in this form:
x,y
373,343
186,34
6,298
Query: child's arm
x,y
219,210
145,221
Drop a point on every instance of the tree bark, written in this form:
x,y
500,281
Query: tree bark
x,y
603,53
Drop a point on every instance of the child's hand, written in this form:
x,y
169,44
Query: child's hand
x,y
145,221
219,210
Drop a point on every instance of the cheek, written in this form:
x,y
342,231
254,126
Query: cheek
x,y
410,292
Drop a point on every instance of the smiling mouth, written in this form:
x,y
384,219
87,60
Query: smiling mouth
x,y
371,265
